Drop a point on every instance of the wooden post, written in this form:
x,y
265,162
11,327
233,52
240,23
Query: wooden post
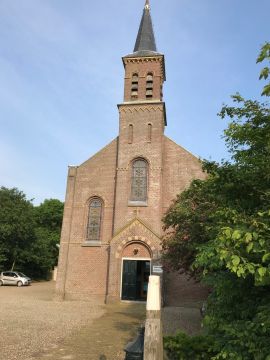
x,y
153,338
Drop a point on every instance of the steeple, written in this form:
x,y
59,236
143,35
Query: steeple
x,y
145,41
145,67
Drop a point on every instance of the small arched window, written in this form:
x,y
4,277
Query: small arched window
x,y
139,180
134,86
130,133
149,132
149,85
94,220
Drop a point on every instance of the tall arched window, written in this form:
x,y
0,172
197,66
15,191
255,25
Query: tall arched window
x,y
149,132
130,133
139,180
94,220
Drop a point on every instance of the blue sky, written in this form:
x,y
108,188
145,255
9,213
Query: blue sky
x,y
61,77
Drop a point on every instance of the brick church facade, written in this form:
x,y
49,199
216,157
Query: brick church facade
x,y
112,228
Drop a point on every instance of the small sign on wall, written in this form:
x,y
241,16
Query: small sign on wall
x,y
157,269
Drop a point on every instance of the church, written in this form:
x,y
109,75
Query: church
x,y
115,201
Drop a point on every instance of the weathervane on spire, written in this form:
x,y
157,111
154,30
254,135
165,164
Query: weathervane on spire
x,y
147,5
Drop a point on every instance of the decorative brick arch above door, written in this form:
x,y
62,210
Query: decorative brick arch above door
x,y
135,235
137,249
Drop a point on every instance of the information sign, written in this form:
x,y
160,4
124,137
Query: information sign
x,y
157,269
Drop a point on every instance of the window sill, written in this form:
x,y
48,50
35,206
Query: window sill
x,y
137,203
92,244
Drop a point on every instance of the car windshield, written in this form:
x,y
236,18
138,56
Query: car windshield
x,y
21,274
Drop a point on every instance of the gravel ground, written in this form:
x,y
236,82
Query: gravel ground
x,y
34,326
31,322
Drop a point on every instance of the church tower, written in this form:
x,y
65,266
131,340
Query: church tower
x,y
142,118
115,201
138,202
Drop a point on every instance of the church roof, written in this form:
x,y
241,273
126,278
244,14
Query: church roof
x,y
145,43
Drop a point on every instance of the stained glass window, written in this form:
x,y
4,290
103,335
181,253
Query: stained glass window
x,y
139,180
94,220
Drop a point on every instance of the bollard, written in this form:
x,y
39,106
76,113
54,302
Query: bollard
x,y
153,339
134,349
154,294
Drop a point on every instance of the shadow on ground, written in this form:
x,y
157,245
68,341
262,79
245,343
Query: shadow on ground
x,y
186,319
104,339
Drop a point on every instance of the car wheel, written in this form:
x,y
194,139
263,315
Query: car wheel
x,y
1,283
19,283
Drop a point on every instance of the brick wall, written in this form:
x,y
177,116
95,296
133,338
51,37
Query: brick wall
x,y
180,167
180,291
82,270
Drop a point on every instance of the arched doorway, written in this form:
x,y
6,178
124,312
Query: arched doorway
x,y
136,268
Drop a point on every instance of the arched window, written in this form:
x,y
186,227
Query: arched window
x,y
149,86
149,132
130,133
94,220
139,180
149,77
134,86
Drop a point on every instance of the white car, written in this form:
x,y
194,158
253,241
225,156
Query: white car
x,y
14,278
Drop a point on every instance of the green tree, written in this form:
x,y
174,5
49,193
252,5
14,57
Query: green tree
x,y
28,234
44,252
2,256
16,226
218,230
265,72
49,214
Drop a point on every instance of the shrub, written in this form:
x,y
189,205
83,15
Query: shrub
x,y
184,347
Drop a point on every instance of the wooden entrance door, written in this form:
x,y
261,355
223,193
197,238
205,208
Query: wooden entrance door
x,y
129,280
135,279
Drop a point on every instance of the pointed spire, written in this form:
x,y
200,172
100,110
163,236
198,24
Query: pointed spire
x,y
146,38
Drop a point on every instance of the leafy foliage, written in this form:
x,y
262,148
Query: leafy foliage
x,y
16,224
2,255
183,347
218,230
28,234
265,72
43,254
49,214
